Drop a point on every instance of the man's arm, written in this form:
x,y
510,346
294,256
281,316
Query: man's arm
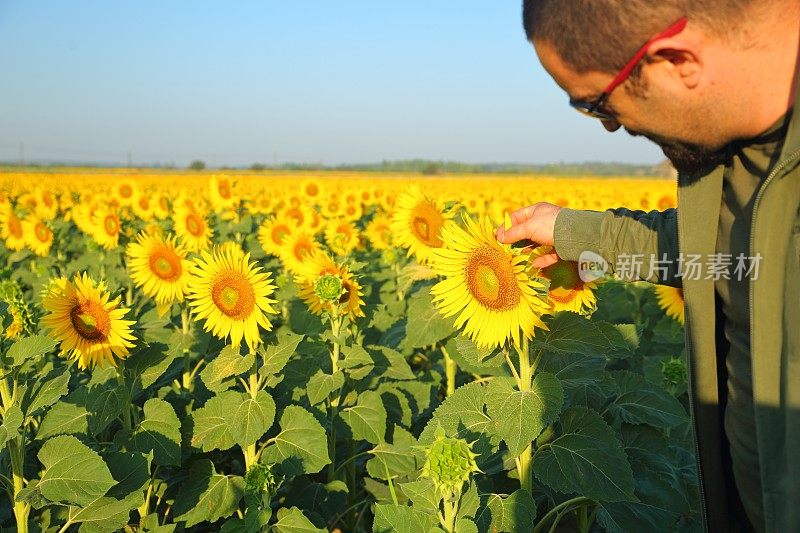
x,y
641,243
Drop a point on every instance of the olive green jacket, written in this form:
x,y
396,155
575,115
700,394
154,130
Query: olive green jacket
x,y
774,317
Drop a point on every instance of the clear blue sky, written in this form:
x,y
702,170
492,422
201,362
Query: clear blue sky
x,y
233,82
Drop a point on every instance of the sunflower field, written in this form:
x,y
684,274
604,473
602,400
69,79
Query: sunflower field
x,y
302,352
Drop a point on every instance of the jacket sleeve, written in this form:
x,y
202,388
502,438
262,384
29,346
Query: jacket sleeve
x,y
635,244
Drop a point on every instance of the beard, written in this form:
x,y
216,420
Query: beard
x,y
691,160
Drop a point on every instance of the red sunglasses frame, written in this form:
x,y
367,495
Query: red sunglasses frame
x,y
592,109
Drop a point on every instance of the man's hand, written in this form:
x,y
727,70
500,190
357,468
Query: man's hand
x,y
537,223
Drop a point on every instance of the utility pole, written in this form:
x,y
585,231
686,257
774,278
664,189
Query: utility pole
x,y
130,160
21,154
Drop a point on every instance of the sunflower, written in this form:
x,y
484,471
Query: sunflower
x,y
312,190
220,189
191,227
106,228
46,204
124,192
487,285
416,223
273,232
38,236
379,232
341,236
231,294
567,291
159,266
670,299
88,323
21,317
296,249
161,207
299,214
11,229
320,268
143,207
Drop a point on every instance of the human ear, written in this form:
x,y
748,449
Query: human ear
x,y
675,60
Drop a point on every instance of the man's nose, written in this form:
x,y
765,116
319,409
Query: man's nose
x,y
611,125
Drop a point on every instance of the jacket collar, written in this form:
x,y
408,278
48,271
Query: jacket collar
x,y
792,143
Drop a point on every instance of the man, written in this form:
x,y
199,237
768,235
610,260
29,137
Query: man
x,y
714,83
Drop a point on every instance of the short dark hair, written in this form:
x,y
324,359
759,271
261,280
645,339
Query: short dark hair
x,y
602,35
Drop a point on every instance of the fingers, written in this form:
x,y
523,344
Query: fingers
x,y
535,222
545,261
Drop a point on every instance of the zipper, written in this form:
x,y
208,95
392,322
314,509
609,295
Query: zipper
x,y
688,342
772,175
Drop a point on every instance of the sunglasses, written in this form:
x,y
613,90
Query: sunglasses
x,y
594,108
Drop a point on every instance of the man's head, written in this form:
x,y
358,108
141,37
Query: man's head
x,y
682,94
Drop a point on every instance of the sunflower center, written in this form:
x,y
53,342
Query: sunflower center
x,y
296,215
144,203
90,320
426,221
563,275
165,264
125,191
278,234
14,226
42,233
302,249
224,190
565,283
111,224
233,295
194,224
491,279
312,189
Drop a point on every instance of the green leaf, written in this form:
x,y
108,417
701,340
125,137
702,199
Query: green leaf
x,y
105,402
367,419
104,513
402,519
571,333
422,494
252,418
618,337
322,385
276,356
398,458
642,402
293,520
514,513
207,496
12,421
425,325
73,473
46,391
131,470
159,432
659,507
586,458
68,416
148,364
30,348
228,363
357,363
212,424
483,362
391,363
460,414
301,446
520,416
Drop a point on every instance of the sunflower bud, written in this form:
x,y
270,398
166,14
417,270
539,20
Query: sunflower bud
x,y
260,479
328,287
674,371
448,463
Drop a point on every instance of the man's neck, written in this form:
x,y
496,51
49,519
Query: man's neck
x,y
770,84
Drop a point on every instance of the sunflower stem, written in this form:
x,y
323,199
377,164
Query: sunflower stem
x,y
511,367
16,450
525,459
186,378
126,411
450,369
